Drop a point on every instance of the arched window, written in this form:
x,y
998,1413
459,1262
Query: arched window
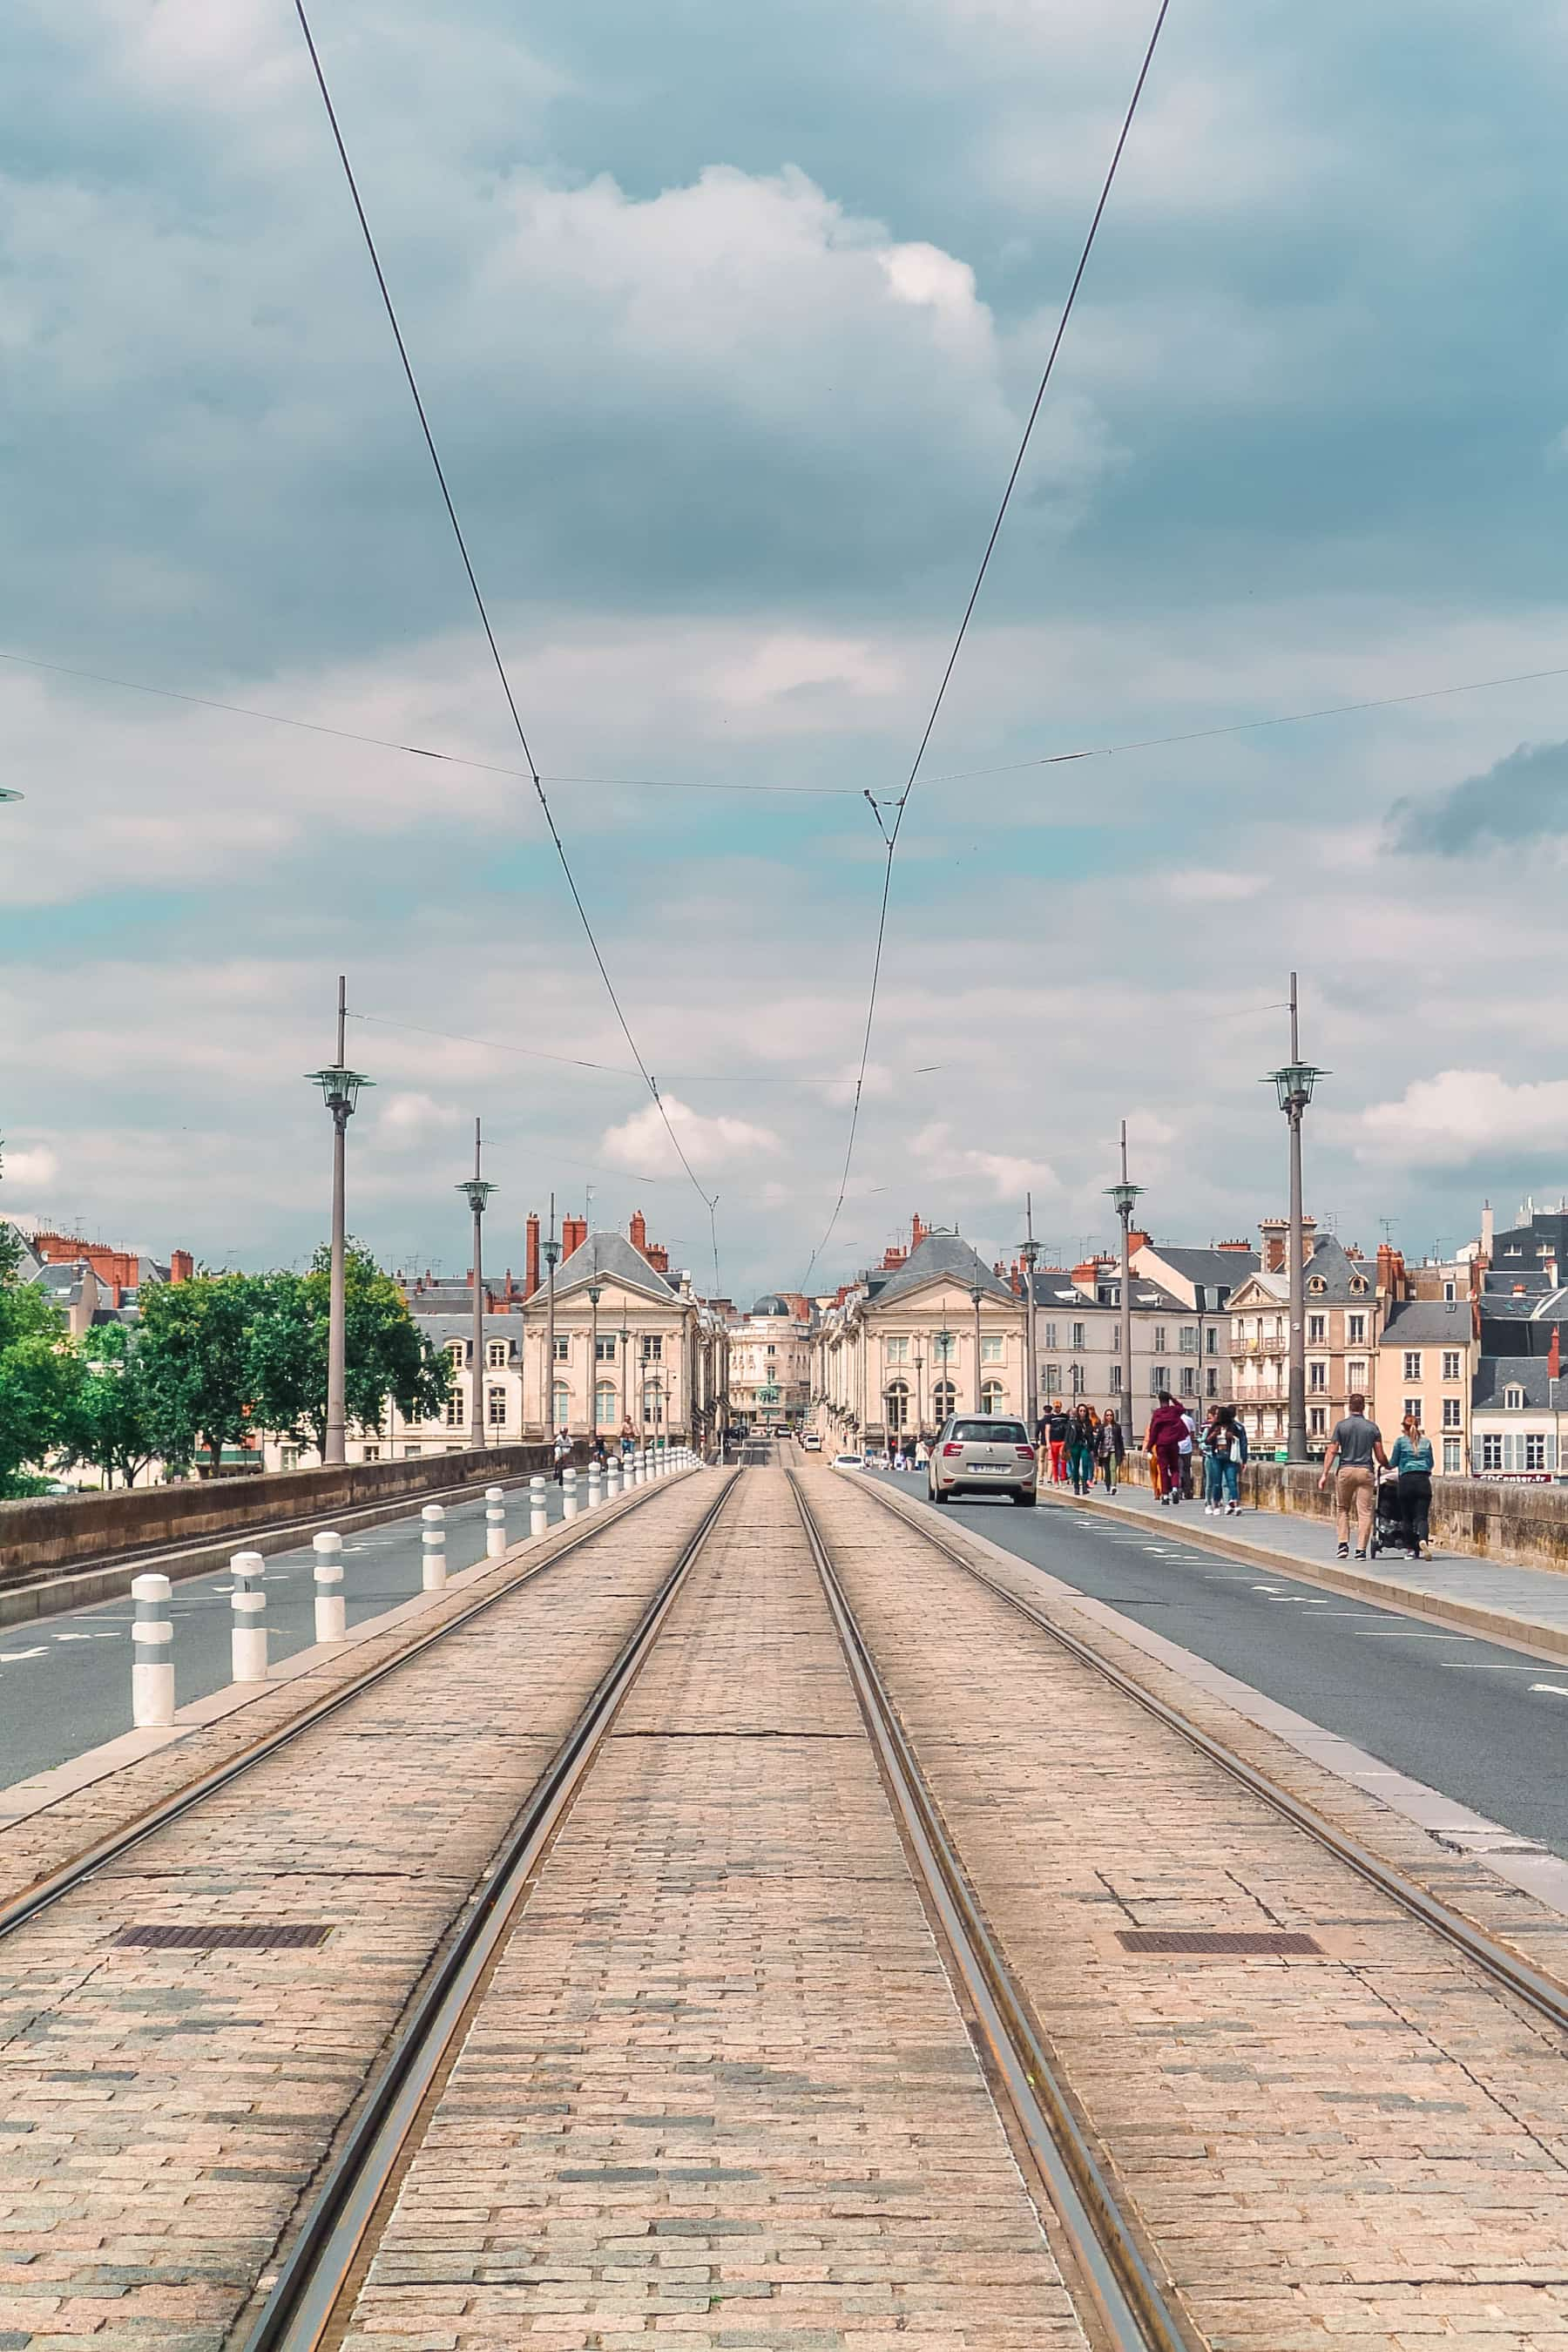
x,y
561,1406
495,1355
991,1395
1318,1286
455,1353
898,1403
456,1406
605,1413
495,1407
943,1401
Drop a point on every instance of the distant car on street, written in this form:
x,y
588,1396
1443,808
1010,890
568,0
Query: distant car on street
x,y
983,1454
811,1442
850,1462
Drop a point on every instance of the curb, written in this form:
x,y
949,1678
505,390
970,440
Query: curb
x,y
1469,1616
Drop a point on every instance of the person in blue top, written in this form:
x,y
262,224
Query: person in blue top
x,y
1224,1448
1412,1458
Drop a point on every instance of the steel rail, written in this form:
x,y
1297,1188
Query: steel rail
x,y
39,1897
301,2305
1133,2306
1537,1990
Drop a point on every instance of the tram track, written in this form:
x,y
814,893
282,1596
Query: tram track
x,y
29,1904
1505,1969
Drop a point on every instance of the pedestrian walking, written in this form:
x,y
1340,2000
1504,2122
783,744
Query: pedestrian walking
x,y
1356,1445
1080,1450
1188,1451
562,1456
1225,1451
1412,1458
1111,1447
1167,1427
1058,1429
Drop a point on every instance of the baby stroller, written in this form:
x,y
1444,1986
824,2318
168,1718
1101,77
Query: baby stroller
x,y
1389,1532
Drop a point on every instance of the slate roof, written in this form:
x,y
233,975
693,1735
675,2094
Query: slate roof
x,y
441,1327
1216,1269
1497,1373
610,1257
939,1255
1427,1322
1330,1264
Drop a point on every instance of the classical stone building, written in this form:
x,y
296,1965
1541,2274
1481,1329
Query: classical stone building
x,y
929,1333
769,1361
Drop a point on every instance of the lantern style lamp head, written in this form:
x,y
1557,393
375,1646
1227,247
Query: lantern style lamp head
x,y
976,1294
1122,1197
552,1252
477,1193
6,794
595,1294
1293,1084
340,1088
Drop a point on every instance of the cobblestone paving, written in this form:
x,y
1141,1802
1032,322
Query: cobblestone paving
x,y
1365,2150
161,2110
718,2092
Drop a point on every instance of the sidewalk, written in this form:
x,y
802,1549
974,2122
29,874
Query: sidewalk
x,y
1527,1605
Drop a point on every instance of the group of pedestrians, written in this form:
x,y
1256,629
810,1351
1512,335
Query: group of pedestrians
x,y
1354,1458
1079,1446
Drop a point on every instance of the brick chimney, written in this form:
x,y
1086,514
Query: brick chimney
x,y
1391,1281
636,1231
531,1256
1554,1354
574,1233
1136,1241
182,1265
1273,1240
657,1257
917,1232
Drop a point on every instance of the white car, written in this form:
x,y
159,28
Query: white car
x,y
850,1462
811,1443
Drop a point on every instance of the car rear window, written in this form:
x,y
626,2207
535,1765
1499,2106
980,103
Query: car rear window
x,y
991,1432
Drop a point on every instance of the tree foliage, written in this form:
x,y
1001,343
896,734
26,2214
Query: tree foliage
x,y
193,1353
39,1379
110,1422
386,1353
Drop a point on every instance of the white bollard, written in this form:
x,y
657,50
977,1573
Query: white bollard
x,y
152,1654
495,1522
639,1468
612,1479
331,1622
538,1507
595,1492
569,1493
435,1547
248,1646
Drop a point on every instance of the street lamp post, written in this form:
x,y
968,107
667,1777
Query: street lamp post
x,y
944,1358
976,1295
1123,1196
1030,1254
625,1388
920,1395
477,1194
552,1255
340,1092
595,1295
1293,1085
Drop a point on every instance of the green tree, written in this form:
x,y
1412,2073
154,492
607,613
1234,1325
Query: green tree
x,y
193,1356
39,1376
110,1420
386,1353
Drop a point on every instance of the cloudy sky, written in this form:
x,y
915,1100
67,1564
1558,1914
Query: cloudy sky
x,y
728,322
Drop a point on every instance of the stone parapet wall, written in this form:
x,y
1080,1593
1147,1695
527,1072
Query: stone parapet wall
x,y
64,1531
1526,1525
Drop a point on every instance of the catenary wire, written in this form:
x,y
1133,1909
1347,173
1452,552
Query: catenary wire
x,y
618,1069
813,792
901,804
483,609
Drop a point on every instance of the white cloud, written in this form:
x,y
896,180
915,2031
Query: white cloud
x,y
1460,1116
39,1166
709,1142
1000,1175
1200,886
409,1119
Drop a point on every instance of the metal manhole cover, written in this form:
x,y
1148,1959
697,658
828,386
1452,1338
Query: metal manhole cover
x,y
289,1938
1203,1940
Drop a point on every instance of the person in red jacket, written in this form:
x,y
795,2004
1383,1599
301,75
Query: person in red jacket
x,y
1167,1427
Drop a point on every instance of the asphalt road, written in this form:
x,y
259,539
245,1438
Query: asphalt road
x,y
65,1681
1481,1723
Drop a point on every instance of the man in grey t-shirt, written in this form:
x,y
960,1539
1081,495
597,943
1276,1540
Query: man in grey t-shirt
x,y
1357,1446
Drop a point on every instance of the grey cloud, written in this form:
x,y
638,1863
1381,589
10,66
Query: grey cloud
x,y
1521,798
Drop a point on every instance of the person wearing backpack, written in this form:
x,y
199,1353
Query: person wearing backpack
x,y
1227,1447
1167,1427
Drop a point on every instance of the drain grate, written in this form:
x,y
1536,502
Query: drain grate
x,y
1205,1939
277,1937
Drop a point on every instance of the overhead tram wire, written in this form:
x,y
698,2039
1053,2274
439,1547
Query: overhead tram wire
x,y
807,791
900,805
483,610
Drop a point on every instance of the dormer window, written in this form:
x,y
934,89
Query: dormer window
x,y
1358,1285
1513,1400
1316,1286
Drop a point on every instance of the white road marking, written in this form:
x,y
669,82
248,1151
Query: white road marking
x,y
73,1637
1556,1689
12,1657
1483,1666
1397,1634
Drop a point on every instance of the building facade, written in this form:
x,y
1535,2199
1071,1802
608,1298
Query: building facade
x,y
1427,1354
771,1362
932,1333
1344,1314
